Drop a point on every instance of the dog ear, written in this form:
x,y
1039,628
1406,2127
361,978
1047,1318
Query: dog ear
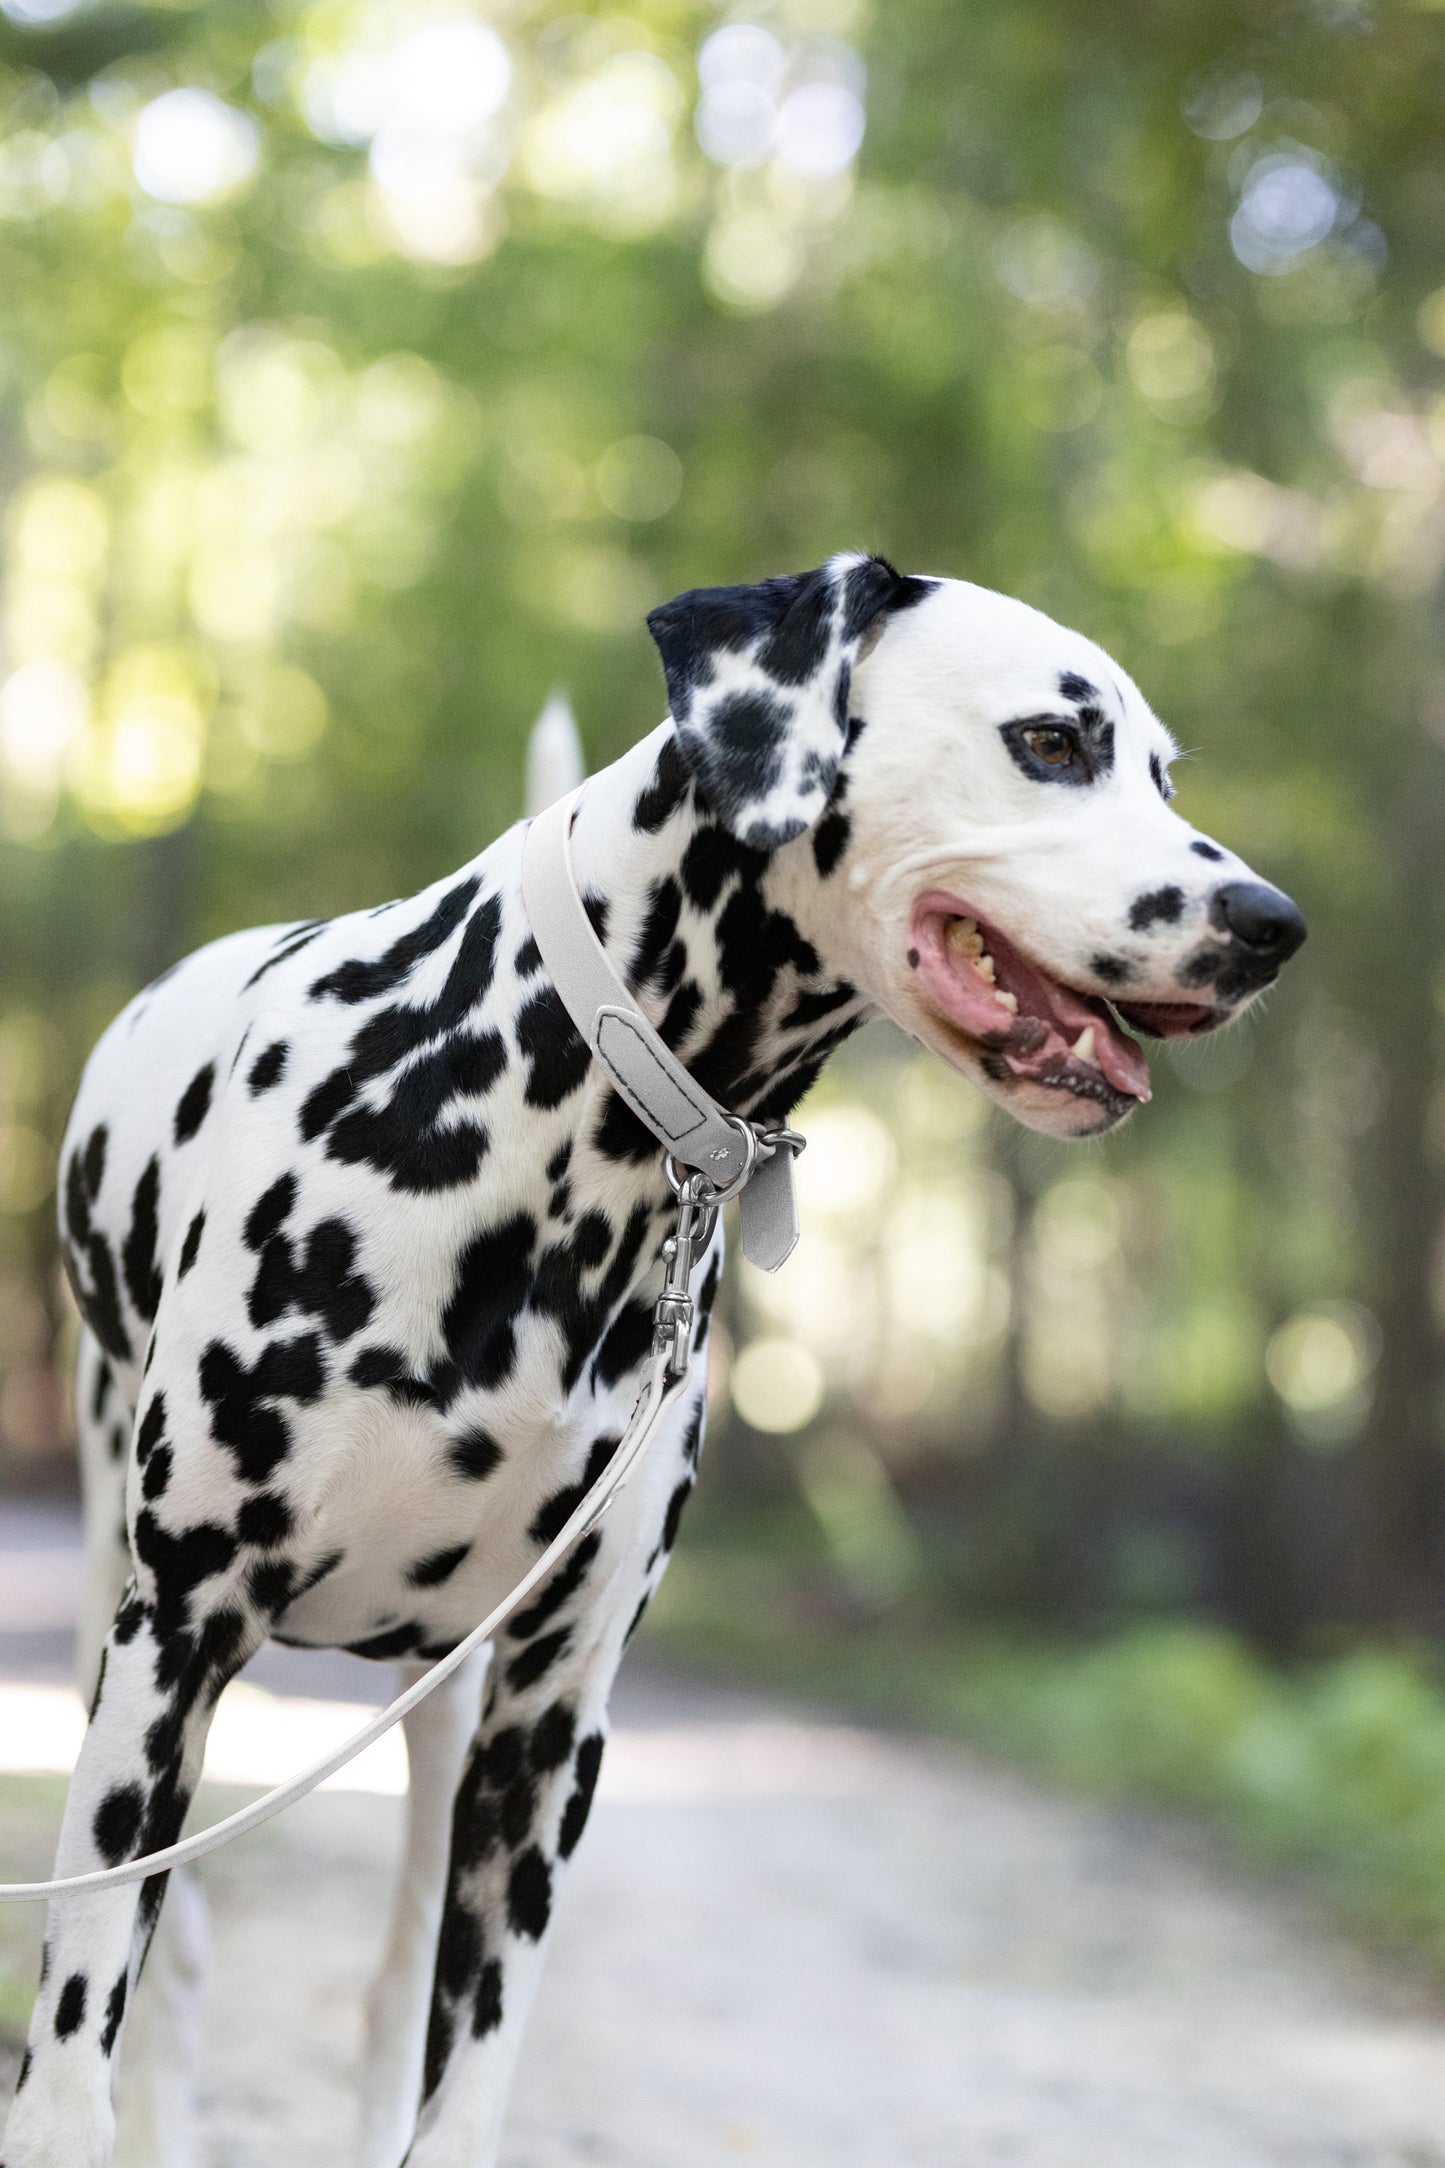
x,y
758,680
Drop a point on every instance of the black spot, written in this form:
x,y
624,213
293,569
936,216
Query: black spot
x,y
710,858
384,1648
561,1159
529,1895
811,1008
621,1136
241,1417
1161,906
1113,970
194,1103
1202,849
518,1810
325,1101
675,1506
387,1366
682,1013
552,1518
151,1428
474,1455
438,2047
490,1287
740,757
913,959
666,791
264,1520
93,1163
562,1584
598,912
830,840
625,1343
552,1738
87,1248
430,1572
142,1276
579,1806
271,1585
404,1138
364,981
114,2012
528,958
268,1068
535,1661
70,2010
190,1248
459,1950
558,1290
291,943
158,1473
117,1822
487,2007
271,1211
1076,688
401,1139
556,1054
1159,778
323,1284
658,931
1203,967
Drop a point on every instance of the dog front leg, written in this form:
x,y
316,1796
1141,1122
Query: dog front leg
x,y
438,1734
138,1766
520,1809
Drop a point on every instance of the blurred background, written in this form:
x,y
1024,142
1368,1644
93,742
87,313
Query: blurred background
x,y
368,369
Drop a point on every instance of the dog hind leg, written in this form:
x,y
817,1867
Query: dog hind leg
x,y
155,2087
438,1734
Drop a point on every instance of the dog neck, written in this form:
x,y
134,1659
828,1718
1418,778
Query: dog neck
x,y
719,943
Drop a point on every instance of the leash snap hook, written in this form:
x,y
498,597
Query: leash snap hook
x,y
672,1314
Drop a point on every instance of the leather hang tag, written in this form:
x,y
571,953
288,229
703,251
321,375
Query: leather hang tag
x,y
768,1212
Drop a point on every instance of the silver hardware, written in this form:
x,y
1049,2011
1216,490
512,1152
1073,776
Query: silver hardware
x,y
677,1175
697,1208
773,1140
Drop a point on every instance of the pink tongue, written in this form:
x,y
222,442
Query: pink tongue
x,y
1044,1004
1121,1058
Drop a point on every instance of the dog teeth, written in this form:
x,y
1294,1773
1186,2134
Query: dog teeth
x,y
964,936
1006,1001
1083,1047
983,965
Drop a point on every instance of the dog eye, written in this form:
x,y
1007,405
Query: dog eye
x,y
1055,748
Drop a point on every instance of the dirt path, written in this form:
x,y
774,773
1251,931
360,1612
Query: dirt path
x,y
792,1946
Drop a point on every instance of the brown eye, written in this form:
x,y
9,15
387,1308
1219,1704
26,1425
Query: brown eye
x,y
1055,748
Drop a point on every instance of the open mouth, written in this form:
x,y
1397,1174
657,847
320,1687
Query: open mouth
x,y
1030,1025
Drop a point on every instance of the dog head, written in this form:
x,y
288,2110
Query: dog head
x,y
993,857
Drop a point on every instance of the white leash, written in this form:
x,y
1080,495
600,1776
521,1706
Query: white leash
x,y
693,1127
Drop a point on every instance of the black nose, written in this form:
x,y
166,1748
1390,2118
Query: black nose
x,y
1259,918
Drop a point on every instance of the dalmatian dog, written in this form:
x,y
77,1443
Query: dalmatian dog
x,y
366,1247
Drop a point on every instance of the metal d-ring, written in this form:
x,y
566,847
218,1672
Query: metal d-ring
x,y
774,1140
677,1174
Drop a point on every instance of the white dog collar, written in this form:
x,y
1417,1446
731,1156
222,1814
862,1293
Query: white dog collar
x,y
739,1159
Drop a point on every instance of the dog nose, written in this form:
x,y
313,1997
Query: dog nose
x,y
1259,917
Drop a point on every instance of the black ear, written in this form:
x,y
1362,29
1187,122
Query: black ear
x,y
758,680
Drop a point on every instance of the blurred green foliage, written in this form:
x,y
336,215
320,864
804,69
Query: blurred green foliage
x,y
369,367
